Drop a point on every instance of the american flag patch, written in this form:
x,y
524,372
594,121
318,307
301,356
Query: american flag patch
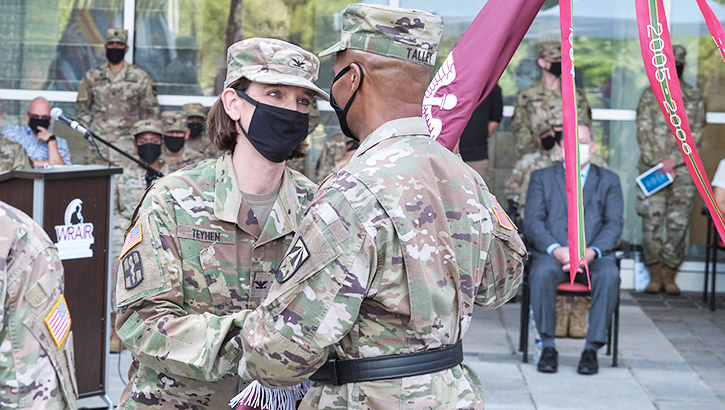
x,y
132,239
503,219
58,321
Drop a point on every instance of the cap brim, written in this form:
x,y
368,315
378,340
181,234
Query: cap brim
x,y
284,79
337,47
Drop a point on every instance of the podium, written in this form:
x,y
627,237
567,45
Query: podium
x,y
73,205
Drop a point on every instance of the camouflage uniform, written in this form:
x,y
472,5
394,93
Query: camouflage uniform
x,y
539,108
109,103
671,207
300,164
176,121
201,144
390,259
202,258
334,149
34,372
12,155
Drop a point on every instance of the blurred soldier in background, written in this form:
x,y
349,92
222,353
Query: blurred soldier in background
x,y
667,211
12,154
111,98
176,155
197,139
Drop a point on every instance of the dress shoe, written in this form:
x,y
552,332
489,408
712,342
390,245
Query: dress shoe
x,y
549,361
578,317
588,362
562,317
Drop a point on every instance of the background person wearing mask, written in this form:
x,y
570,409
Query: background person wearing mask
x,y
111,98
546,230
211,237
175,153
43,148
197,139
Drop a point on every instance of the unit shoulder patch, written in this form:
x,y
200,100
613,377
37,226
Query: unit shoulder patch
x,y
292,261
132,270
503,219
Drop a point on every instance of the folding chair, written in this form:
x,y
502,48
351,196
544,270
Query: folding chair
x,y
714,243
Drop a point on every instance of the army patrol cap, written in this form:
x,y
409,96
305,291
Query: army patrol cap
x,y
194,110
272,61
549,49
679,53
116,34
173,121
149,125
411,35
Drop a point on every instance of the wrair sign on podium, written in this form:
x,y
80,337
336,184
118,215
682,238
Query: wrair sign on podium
x,y
75,237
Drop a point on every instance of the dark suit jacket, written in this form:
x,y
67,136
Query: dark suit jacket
x,y
545,219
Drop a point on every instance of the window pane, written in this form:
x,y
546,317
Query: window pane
x,y
50,45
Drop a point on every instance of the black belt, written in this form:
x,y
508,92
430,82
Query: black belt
x,y
339,372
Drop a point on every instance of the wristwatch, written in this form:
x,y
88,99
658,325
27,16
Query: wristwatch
x,y
51,138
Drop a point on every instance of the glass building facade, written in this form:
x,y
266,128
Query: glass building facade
x,y
47,45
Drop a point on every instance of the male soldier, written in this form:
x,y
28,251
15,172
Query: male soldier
x,y
36,343
176,154
670,208
541,103
396,247
110,97
197,140
12,154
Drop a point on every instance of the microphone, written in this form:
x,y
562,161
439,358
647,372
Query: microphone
x,y
57,114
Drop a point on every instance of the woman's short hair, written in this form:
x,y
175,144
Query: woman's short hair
x,y
222,130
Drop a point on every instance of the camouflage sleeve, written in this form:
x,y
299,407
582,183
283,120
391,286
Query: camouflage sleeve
x,y
584,111
148,102
151,318
318,299
84,102
504,264
521,126
512,189
21,159
333,150
698,121
647,108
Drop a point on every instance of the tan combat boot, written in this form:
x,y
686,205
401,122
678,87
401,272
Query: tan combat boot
x,y
668,279
578,319
562,316
655,278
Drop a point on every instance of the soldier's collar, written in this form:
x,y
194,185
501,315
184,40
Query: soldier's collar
x,y
394,128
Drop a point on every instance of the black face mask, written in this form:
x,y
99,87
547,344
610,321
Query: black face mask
x,y
342,113
273,131
34,123
115,55
195,129
555,68
149,152
680,68
173,144
548,142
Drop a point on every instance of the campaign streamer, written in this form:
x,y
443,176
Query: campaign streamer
x,y
716,30
574,198
659,61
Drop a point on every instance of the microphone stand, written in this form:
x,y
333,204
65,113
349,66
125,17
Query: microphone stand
x,y
151,174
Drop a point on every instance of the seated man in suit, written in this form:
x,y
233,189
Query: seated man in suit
x,y
545,224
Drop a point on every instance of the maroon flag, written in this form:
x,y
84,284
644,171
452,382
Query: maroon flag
x,y
475,65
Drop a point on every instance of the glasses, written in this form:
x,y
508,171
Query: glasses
x,y
39,117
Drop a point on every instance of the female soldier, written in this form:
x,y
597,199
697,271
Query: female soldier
x,y
206,241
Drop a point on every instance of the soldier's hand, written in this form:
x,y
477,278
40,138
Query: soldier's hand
x,y
44,134
668,167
